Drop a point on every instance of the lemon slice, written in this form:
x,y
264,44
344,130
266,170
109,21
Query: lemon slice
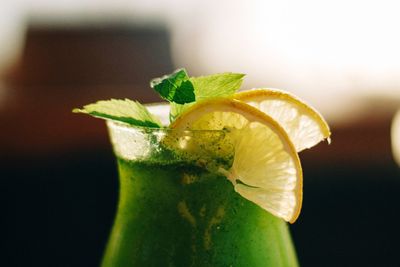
x,y
304,125
266,169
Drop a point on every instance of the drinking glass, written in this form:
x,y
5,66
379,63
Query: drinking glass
x,y
176,208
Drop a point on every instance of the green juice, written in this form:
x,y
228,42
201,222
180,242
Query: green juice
x,y
181,213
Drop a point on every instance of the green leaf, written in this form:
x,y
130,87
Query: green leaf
x,y
128,111
217,85
175,87
223,84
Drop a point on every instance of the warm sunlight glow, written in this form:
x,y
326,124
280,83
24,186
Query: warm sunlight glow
x,y
329,53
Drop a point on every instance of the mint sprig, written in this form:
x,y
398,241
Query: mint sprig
x,y
128,111
175,87
180,90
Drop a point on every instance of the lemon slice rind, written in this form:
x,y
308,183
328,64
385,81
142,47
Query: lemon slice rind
x,y
304,125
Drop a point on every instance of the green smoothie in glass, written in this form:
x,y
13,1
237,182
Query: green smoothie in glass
x,y
214,188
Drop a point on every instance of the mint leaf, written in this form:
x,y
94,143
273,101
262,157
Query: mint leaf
x,y
128,111
175,87
223,84
217,85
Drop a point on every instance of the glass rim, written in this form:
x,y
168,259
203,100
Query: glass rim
x,y
161,111
129,127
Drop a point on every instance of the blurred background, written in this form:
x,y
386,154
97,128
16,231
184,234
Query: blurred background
x,y
58,178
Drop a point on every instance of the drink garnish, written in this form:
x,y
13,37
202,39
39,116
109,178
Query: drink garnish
x,y
175,87
304,125
266,169
267,128
182,91
127,111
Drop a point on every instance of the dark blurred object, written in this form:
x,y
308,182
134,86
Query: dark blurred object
x,y
350,215
57,210
64,68
121,58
